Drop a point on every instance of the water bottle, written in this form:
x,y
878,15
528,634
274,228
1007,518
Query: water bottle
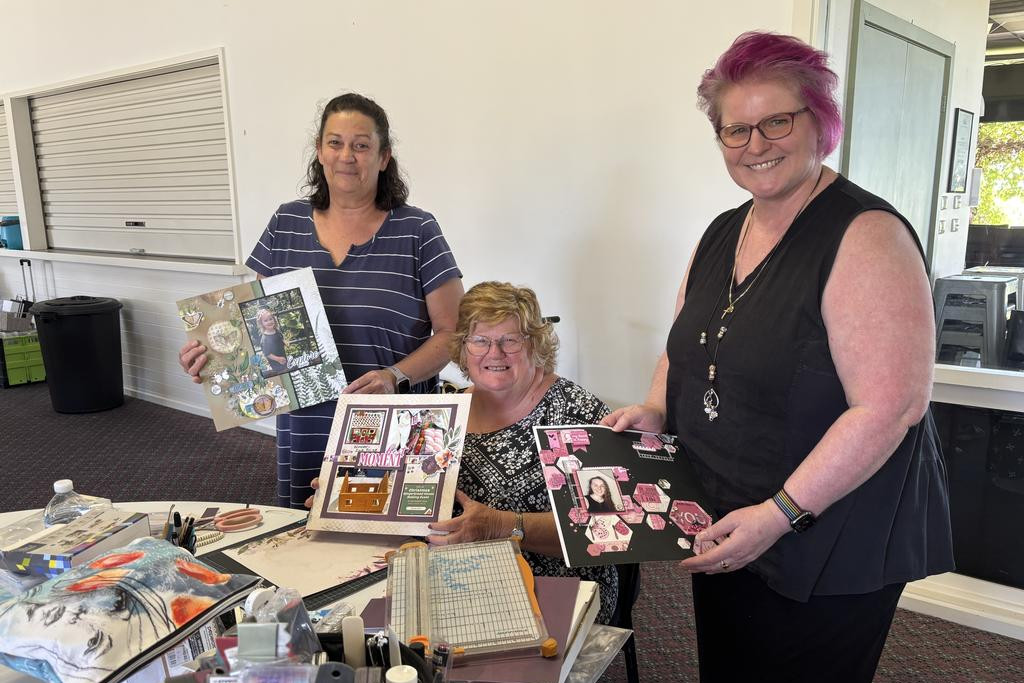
x,y
66,505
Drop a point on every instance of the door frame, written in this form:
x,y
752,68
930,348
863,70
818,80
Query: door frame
x,y
865,16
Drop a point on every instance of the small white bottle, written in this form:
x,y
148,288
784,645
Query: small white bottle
x,y
66,505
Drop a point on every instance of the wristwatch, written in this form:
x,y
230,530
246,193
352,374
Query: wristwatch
x,y
402,382
800,520
518,531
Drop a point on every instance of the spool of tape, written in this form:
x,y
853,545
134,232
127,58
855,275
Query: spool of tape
x,y
257,599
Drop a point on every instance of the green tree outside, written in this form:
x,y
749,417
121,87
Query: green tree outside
x,y
1000,155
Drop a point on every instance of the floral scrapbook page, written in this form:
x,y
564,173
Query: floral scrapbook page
x,y
269,348
620,497
391,464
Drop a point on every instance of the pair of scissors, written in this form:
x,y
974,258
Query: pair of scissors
x,y
237,520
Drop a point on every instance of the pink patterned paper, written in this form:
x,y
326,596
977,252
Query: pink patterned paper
x,y
595,549
650,441
554,478
621,473
578,438
548,457
689,516
631,512
569,463
579,515
656,522
555,441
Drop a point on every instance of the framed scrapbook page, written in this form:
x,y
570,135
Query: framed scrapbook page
x,y
269,347
620,497
391,464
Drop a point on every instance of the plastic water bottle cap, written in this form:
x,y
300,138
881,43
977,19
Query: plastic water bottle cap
x,y
63,486
403,673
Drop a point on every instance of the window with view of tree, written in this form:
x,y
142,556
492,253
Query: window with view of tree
x,y
1000,155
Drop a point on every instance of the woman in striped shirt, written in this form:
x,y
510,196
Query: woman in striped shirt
x,y
387,277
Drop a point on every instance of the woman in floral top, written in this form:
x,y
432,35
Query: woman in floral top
x,y
508,351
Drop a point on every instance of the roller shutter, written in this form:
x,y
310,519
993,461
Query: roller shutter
x,y
137,166
8,202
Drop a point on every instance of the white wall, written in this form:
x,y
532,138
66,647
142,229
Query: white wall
x,y
557,142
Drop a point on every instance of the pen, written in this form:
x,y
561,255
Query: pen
x,y
186,531
177,528
167,524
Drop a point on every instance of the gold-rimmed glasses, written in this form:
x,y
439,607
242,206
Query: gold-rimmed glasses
x,y
479,346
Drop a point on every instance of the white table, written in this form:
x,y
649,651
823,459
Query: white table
x,y
273,518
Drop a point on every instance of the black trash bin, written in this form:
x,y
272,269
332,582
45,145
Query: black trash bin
x,y
80,338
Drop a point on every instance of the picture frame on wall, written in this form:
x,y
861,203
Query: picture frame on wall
x,y
963,127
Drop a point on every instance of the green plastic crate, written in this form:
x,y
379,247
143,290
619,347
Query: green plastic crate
x,y
21,360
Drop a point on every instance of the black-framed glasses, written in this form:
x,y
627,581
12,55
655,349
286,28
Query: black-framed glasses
x,y
774,127
509,344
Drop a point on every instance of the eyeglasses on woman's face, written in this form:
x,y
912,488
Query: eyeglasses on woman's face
x,y
774,127
478,345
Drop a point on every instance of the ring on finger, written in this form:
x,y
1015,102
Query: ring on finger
x,y
725,566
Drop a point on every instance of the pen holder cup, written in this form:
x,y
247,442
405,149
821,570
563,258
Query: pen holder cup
x,y
332,645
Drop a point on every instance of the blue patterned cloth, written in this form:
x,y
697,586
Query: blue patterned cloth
x,y
376,305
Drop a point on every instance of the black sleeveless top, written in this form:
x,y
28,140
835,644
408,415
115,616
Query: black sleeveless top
x,y
780,393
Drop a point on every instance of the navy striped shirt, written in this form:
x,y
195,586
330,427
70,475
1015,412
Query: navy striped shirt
x,y
376,305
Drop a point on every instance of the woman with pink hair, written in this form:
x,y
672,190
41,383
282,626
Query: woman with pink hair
x,y
797,375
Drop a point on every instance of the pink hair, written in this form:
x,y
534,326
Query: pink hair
x,y
763,56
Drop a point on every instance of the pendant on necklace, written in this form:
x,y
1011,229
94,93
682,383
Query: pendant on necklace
x,y
721,331
703,337
711,404
727,310
711,372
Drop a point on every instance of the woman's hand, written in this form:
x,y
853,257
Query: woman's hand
x,y
373,382
742,536
192,358
477,523
315,484
642,416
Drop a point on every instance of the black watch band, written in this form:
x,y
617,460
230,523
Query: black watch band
x,y
799,520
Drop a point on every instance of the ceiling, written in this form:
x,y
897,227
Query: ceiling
x,y
1005,42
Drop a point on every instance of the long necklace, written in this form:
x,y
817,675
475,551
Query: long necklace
x,y
711,399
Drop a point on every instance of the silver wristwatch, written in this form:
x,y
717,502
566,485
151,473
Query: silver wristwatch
x,y
519,530
402,383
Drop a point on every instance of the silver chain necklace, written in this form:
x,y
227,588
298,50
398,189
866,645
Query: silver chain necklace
x,y
711,399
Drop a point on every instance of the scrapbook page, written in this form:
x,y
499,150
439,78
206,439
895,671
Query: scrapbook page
x,y
269,347
620,497
295,558
391,464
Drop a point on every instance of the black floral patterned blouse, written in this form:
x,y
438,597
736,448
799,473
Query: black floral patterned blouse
x,y
502,470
